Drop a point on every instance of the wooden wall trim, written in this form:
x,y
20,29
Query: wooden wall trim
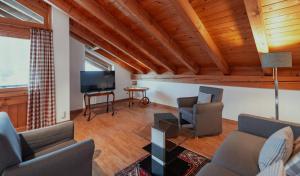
x,y
285,82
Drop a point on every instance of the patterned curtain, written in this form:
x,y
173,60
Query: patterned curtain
x,y
41,90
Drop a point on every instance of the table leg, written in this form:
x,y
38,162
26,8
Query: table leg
x,y
107,98
129,99
113,103
89,108
85,105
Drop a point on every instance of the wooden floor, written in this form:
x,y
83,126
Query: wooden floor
x,y
118,143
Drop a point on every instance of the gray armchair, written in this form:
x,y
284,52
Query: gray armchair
x,y
206,119
47,151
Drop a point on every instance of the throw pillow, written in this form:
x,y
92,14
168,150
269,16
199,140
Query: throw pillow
x,y
204,98
296,146
276,169
279,146
292,167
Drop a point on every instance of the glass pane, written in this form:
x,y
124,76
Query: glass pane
x,y
14,61
91,67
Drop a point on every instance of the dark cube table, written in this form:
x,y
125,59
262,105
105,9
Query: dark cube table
x,y
167,122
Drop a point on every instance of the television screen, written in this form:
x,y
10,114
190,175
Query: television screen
x,y
96,81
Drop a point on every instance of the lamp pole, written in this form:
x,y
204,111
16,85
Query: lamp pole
x,y
276,93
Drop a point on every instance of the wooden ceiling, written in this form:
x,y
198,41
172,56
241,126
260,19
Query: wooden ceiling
x,y
187,37
195,37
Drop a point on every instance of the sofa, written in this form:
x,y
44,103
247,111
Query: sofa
x,y
238,155
47,151
200,115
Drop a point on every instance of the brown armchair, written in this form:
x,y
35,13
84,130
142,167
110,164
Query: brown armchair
x,y
206,119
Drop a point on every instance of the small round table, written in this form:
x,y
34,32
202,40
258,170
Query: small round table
x,y
144,100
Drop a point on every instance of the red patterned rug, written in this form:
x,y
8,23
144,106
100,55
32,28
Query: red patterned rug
x,y
194,161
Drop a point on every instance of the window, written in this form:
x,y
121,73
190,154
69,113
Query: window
x,y
14,62
88,66
14,9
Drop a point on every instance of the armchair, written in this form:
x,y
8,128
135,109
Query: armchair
x,y
47,151
206,119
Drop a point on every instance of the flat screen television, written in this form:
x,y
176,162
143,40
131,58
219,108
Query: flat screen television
x,y
96,81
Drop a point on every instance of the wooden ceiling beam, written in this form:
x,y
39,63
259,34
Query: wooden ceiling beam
x,y
82,32
254,12
93,26
103,15
186,11
141,17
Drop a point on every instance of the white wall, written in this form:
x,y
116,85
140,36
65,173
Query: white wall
x,y
236,99
60,26
76,65
123,77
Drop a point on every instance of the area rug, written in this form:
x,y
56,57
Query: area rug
x,y
194,161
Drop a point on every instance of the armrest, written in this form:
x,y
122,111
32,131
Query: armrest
x,y
264,127
35,139
75,160
186,101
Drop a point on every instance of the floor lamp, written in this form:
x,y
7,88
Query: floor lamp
x,y
274,61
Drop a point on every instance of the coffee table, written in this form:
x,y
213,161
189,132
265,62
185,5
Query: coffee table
x,y
164,160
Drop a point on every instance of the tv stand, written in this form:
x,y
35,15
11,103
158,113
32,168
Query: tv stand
x,y
87,102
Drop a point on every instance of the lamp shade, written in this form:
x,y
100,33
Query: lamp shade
x,y
276,60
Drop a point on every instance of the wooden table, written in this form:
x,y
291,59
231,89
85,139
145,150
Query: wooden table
x,y
144,100
87,102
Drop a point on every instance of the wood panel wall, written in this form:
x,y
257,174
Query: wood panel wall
x,y
14,102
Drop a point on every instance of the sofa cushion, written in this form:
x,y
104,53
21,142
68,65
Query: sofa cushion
x,y
187,114
239,153
215,170
279,146
50,148
10,147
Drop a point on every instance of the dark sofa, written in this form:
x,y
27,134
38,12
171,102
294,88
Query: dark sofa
x,y
238,155
43,152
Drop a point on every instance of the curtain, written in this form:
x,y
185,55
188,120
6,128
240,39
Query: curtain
x,y
41,89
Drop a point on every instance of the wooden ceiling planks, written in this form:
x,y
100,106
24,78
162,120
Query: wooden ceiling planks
x,y
145,21
156,26
93,25
166,16
99,12
227,23
186,11
255,16
282,19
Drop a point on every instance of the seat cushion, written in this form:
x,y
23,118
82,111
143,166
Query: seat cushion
x,y
49,149
239,153
10,147
215,170
187,114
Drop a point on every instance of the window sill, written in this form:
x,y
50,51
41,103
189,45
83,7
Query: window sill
x,y
13,89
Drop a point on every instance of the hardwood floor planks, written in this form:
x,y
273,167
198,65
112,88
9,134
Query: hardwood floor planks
x,y
117,139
